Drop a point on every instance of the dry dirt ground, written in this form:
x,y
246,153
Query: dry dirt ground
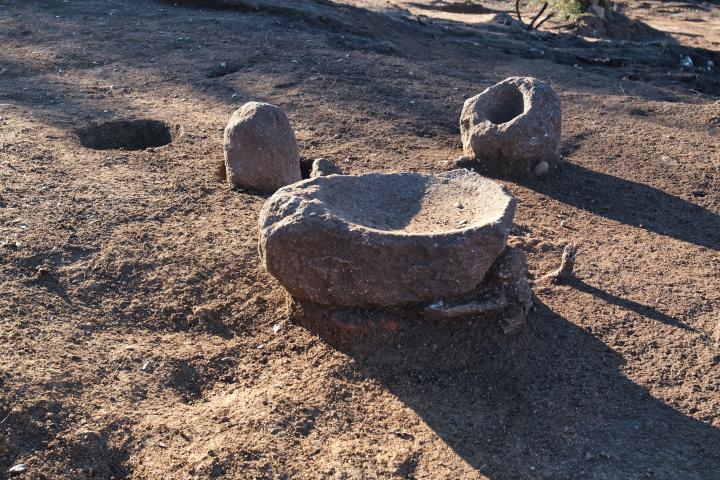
x,y
140,339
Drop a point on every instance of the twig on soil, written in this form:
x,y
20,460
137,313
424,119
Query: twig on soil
x,y
567,264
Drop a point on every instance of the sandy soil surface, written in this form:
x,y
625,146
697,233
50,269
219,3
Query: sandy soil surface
x,y
140,339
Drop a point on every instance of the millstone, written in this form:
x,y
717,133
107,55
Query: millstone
x,y
384,239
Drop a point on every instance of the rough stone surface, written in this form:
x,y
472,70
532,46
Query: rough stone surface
x,y
511,127
496,307
384,239
509,266
504,288
323,167
261,151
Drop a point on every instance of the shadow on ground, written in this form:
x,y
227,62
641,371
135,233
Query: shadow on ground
x,y
550,403
640,309
633,204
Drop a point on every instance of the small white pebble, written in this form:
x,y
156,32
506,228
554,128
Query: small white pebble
x,y
542,168
20,467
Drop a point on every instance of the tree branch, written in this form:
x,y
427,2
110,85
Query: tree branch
x,y
542,10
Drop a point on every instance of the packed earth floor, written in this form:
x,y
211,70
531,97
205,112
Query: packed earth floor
x,y
140,338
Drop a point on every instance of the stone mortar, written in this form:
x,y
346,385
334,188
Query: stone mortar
x,y
512,129
384,239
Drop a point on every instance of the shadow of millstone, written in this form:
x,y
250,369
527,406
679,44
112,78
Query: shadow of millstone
x,y
401,336
550,402
441,332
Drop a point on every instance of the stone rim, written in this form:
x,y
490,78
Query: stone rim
x,y
472,226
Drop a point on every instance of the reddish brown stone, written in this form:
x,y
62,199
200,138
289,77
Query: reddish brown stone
x,y
261,151
384,239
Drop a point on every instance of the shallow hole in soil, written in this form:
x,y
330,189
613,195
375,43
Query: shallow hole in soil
x,y
126,135
507,104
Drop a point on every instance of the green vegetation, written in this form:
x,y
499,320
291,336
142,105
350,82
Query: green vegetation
x,y
569,9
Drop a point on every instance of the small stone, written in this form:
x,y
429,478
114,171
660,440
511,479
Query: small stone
x,y
19,468
509,266
276,328
42,271
261,151
323,167
541,168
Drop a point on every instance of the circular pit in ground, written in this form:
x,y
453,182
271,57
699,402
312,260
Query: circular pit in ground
x,y
126,134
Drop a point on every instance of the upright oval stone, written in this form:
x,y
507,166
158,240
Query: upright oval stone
x,y
512,129
261,151
384,239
